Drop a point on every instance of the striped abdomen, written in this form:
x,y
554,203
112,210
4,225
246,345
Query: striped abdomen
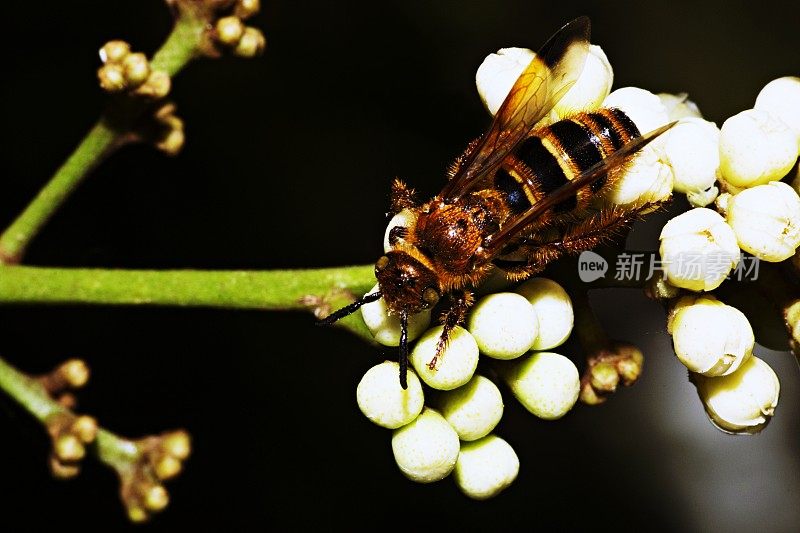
x,y
556,154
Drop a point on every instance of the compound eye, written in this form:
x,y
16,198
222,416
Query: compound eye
x,y
430,296
381,263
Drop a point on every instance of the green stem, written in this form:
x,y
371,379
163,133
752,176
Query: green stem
x,y
29,393
310,289
106,136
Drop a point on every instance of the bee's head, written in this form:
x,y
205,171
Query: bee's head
x,y
407,285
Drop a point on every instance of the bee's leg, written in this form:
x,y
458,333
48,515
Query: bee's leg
x,y
401,196
456,312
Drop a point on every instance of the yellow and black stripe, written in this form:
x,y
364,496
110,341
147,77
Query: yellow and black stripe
x,y
560,152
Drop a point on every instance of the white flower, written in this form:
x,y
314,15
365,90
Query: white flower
x,y
383,401
485,467
426,450
497,75
766,220
473,409
592,87
678,106
553,308
781,99
646,180
756,148
744,400
691,149
504,325
709,337
642,107
456,364
385,327
500,70
698,250
546,383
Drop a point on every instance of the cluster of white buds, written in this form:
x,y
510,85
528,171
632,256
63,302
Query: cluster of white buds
x,y
715,342
231,33
127,71
454,432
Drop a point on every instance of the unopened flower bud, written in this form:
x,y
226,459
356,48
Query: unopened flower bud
x,y
742,401
592,87
137,69
137,514
177,444
781,99
229,30
698,250
546,383
404,219
709,337
112,78
505,325
383,401
553,309
485,467
385,327
630,364
454,367
168,467
766,220
69,448
473,409
679,106
497,75
691,149
604,377
155,498
157,86
426,450
85,427
642,107
251,44
114,51
75,373
646,180
62,470
756,148
247,8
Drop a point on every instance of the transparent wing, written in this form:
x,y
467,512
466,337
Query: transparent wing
x,y
544,81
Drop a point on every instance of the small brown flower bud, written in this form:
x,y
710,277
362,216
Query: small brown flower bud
x,y
137,69
247,8
251,44
112,78
63,470
114,51
229,30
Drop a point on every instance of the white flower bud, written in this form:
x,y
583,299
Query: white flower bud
x,y
642,107
781,99
592,87
405,218
456,364
691,148
709,337
504,325
426,450
553,308
383,401
698,250
646,180
756,148
486,467
766,220
497,75
385,327
473,409
546,383
678,106
744,400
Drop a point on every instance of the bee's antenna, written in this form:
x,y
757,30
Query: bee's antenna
x,y
403,349
349,309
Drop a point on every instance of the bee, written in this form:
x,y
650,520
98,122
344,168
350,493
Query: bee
x,y
519,197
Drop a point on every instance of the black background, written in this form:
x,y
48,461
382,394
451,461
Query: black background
x,y
287,164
